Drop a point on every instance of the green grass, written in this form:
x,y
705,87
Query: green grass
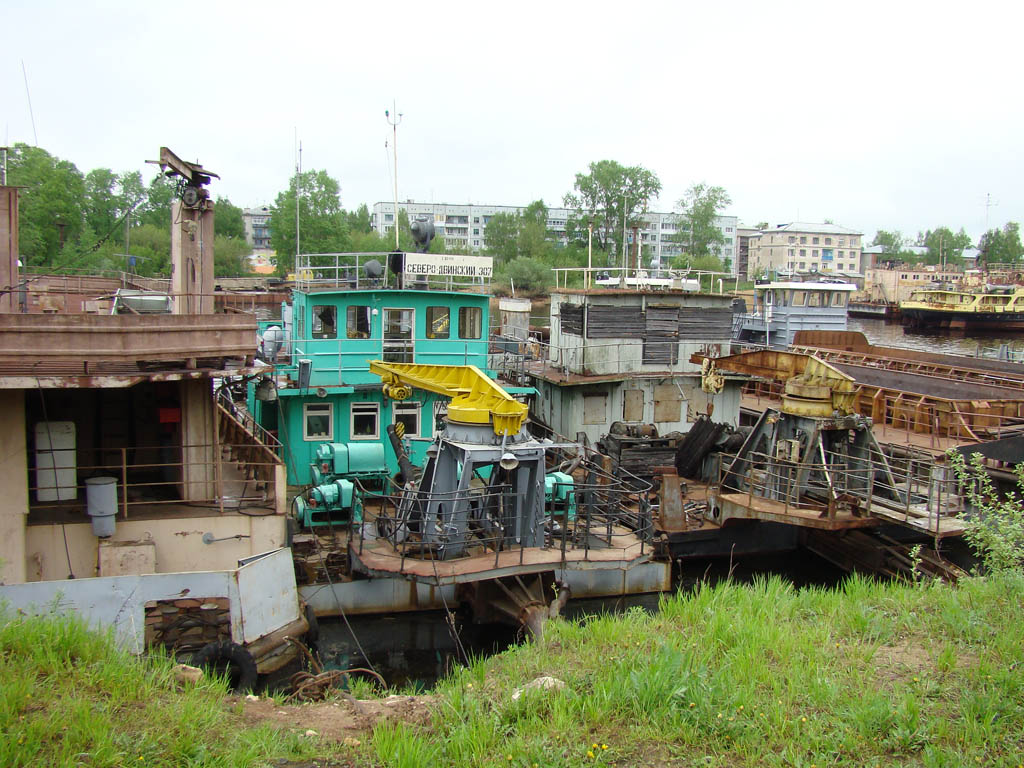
x,y
869,674
68,697
761,675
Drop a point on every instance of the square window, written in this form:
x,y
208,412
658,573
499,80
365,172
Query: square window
x,y
470,322
803,265
803,240
407,414
814,241
828,241
325,321
357,323
365,421
318,422
438,323
803,253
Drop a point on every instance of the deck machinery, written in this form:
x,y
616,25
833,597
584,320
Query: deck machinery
x,y
815,463
494,511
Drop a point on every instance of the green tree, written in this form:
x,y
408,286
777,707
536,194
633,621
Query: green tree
x,y
605,197
501,237
528,275
534,241
227,219
52,204
156,210
892,242
521,235
359,220
322,225
103,204
943,245
151,247
230,256
1002,246
701,235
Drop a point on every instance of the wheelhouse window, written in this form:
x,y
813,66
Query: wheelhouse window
x,y
408,415
318,421
814,299
438,322
325,321
365,421
470,322
838,299
357,322
799,298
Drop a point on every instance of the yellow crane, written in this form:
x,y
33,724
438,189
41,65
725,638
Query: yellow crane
x,y
476,398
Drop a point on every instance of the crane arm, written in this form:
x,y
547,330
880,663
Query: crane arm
x,y
476,398
805,376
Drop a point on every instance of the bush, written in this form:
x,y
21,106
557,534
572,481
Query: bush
x,y
995,526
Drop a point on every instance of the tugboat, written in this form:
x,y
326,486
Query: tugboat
x,y
782,308
422,485
996,308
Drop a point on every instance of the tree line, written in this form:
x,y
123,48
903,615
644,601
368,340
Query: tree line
x,y
102,222
996,246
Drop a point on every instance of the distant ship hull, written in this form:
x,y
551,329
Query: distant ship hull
x,y
969,321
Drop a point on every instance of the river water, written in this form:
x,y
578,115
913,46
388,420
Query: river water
x,y
885,334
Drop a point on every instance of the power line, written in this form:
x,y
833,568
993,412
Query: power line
x,y
28,95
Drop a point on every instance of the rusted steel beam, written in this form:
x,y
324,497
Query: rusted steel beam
x,y
123,338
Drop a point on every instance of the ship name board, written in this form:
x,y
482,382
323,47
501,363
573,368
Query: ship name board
x,y
448,265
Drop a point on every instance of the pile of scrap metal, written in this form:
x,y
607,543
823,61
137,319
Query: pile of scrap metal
x,y
638,449
704,438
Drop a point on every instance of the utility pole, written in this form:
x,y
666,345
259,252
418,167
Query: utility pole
x,y
298,200
624,201
393,122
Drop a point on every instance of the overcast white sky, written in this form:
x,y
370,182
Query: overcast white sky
x,y
892,115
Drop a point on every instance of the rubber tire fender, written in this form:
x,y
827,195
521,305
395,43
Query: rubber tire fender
x,y
313,633
239,663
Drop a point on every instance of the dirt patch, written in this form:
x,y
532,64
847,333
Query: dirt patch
x,y
337,719
902,659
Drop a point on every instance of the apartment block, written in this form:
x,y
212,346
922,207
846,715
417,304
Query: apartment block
x,y
463,228
257,227
806,247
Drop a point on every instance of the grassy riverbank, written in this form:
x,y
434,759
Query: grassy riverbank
x,y
761,675
757,675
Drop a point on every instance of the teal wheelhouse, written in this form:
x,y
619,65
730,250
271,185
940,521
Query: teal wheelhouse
x,y
339,319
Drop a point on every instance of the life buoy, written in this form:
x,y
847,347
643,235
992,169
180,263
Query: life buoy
x,y
232,659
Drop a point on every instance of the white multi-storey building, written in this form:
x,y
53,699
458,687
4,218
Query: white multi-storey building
x,y
463,226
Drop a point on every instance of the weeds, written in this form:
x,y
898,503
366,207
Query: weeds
x,y
761,675
69,697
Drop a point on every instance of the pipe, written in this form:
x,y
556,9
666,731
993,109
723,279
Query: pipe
x,y
405,466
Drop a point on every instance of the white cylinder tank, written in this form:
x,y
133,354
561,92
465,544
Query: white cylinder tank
x,y
101,504
56,477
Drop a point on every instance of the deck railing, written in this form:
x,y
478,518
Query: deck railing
x,y
236,471
908,486
333,271
902,414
